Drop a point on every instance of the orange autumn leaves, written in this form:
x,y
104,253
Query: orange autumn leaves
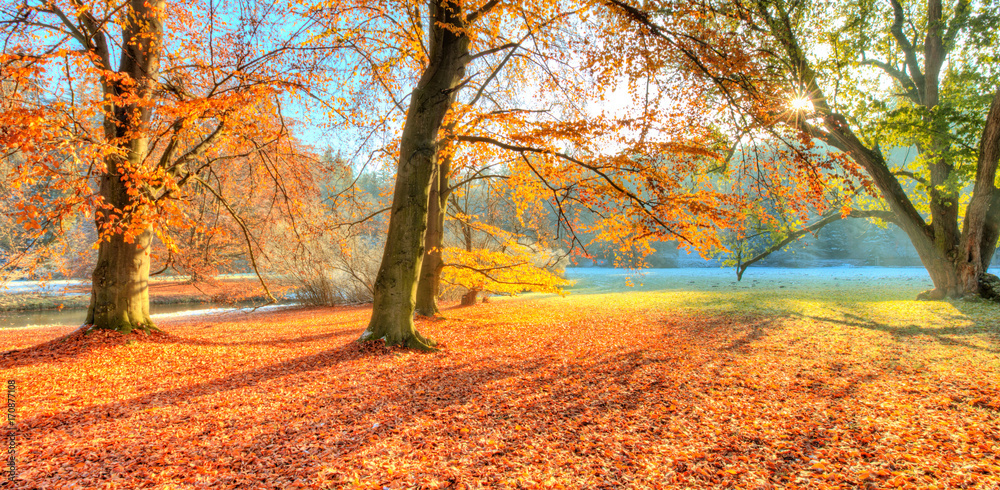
x,y
589,391
212,117
541,71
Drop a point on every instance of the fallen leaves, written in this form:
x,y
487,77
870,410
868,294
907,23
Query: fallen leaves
x,y
600,391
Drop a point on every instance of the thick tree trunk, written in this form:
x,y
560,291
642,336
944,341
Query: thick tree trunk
x,y
120,282
947,279
429,285
396,282
120,292
991,232
982,217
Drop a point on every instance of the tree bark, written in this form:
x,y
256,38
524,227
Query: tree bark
x,y
396,282
982,217
469,298
429,286
120,282
120,285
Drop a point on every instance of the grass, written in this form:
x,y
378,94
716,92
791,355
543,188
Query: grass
x,y
678,387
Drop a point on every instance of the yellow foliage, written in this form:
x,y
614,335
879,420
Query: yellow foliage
x,y
515,269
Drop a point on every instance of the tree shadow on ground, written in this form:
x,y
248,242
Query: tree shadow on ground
x,y
169,338
230,382
942,335
81,342
67,348
682,396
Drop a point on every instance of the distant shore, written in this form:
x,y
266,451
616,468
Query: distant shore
x,y
171,290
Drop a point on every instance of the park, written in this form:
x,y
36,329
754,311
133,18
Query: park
x,y
492,244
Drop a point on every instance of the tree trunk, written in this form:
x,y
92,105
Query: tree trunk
x,y
396,282
982,217
430,270
120,291
120,282
469,298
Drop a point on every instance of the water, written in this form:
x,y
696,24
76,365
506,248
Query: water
x,y
601,280
76,316
64,287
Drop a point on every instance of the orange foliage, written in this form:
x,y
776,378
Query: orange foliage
x,y
530,109
217,129
767,167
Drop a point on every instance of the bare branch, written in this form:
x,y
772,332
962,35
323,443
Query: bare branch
x,y
246,235
830,218
908,50
911,175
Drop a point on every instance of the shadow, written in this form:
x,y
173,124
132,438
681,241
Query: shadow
x,y
675,403
940,335
65,348
234,381
168,338
78,343
755,332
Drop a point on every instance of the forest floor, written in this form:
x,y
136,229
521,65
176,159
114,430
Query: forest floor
x,y
770,387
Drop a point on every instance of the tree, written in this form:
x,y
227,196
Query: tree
x,y
490,250
558,148
395,284
434,57
858,77
492,259
192,97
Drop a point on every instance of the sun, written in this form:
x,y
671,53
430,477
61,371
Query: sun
x,y
801,104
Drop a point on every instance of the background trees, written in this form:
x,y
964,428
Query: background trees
x,y
165,122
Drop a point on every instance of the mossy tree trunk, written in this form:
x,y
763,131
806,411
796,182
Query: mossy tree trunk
x,y
120,288
396,282
429,286
120,291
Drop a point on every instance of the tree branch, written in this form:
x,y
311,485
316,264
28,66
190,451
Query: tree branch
x,y
908,50
642,204
900,76
906,173
884,215
246,235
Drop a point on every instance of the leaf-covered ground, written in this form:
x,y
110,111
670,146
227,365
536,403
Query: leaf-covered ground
x,y
773,388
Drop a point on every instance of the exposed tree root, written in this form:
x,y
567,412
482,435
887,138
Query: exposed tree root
x,y
411,340
989,287
931,295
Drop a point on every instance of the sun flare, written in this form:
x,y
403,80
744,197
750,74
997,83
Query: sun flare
x,y
800,104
